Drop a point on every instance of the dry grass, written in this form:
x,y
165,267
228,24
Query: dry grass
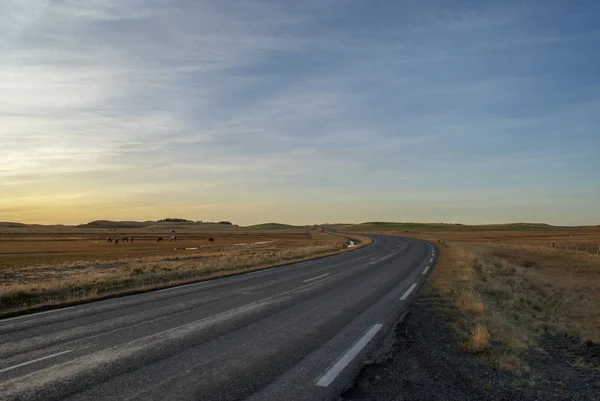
x,y
509,289
109,270
511,295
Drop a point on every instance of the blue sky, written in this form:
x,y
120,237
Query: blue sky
x,y
300,112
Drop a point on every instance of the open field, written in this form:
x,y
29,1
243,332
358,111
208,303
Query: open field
x,y
43,266
513,292
575,239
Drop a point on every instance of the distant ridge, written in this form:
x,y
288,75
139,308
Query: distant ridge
x,y
116,224
176,222
13,224
272,226
380,225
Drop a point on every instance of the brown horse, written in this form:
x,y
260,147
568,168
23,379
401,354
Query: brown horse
x,y
124,239
116,241
159,239
210,239
109,240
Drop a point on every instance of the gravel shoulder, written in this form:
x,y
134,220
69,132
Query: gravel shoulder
x,y
427,363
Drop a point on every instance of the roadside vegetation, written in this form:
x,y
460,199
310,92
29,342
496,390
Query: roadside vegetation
x,y
52,277
515,290
509,298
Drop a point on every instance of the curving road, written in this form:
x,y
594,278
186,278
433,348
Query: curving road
x,y
288,333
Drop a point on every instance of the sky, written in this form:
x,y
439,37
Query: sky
x,y
300,112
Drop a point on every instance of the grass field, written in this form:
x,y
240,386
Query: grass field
x,y
511,288
44,266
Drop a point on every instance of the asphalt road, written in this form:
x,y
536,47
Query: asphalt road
x,y
294,332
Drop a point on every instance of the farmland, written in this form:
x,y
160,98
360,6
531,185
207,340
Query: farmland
x,y
44,266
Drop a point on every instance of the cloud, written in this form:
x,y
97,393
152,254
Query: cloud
x,y
135,101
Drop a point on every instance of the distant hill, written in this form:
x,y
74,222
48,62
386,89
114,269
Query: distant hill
x,y
116,224
169,223
374,226
272,226
12,224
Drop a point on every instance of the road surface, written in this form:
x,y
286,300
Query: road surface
x,y
294,332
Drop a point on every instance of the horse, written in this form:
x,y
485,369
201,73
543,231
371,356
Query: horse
x,y
173,238
131,240
210,239
116,241
124,239
109,240
159,239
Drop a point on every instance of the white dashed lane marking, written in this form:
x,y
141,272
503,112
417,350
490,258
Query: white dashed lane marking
x,y
35,360
336,369
314,278
407,293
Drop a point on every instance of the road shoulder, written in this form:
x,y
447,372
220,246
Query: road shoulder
x,y
426,363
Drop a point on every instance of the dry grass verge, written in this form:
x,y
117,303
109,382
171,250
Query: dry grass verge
x,y
40,286
509,296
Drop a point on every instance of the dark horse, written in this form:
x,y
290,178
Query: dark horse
x,y
159,239
211,239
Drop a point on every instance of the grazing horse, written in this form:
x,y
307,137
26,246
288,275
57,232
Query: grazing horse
x,y
211,239
124,239
109,240
116,241
159,239
173,238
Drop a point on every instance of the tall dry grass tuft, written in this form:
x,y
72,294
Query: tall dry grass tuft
x,y
480,338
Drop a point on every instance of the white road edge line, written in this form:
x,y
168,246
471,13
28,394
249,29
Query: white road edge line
x,y
182,286
374,258
336,369
426,270
314,278
35,360
407,293
35,314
